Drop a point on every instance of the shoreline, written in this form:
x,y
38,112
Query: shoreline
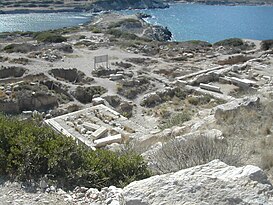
x,y
29,11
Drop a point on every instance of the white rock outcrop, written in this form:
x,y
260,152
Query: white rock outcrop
x,y
231,109
214,183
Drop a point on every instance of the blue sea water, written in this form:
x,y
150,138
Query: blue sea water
x,y
41,21
185,21
214,23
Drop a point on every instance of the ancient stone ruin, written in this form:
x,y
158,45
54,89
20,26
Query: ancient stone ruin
x,y
96,127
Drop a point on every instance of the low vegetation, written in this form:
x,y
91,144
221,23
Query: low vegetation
x,y
266,45
252,127
121,34
125,22
85,94
19,48
29,152
200,100
232,42
49,37
133,87
180,154
176,120
235,60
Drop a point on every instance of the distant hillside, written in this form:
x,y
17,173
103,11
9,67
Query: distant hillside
x,y
23,6
101,5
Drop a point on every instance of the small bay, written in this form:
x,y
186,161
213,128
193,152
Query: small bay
x,y
41,21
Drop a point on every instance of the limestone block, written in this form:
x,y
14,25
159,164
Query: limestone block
x,y
99,133
97,101
108,140
210,87
90,126
244,83
116,76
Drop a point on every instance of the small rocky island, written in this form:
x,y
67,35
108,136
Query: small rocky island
x,y
198,115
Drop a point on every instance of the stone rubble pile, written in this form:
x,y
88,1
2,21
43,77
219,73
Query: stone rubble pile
x,y
109,196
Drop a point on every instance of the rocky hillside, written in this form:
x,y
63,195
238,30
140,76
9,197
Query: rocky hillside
x,y
214,183
103,5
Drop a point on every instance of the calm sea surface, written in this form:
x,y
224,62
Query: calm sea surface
x,y
41,21
214,23
186,21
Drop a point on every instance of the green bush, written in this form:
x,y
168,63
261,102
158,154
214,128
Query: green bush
x,y
95,29
124,21
193,100
266,45
176,120
199,43
19,48
28,151
85,94
48,37
200,100
120,34
234,42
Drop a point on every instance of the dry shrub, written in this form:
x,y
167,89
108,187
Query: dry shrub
x,y
253,128
179,154
176,119
266,146
2,94
234,60
266,45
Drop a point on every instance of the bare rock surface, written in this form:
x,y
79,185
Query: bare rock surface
x,y
215,183
212,183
